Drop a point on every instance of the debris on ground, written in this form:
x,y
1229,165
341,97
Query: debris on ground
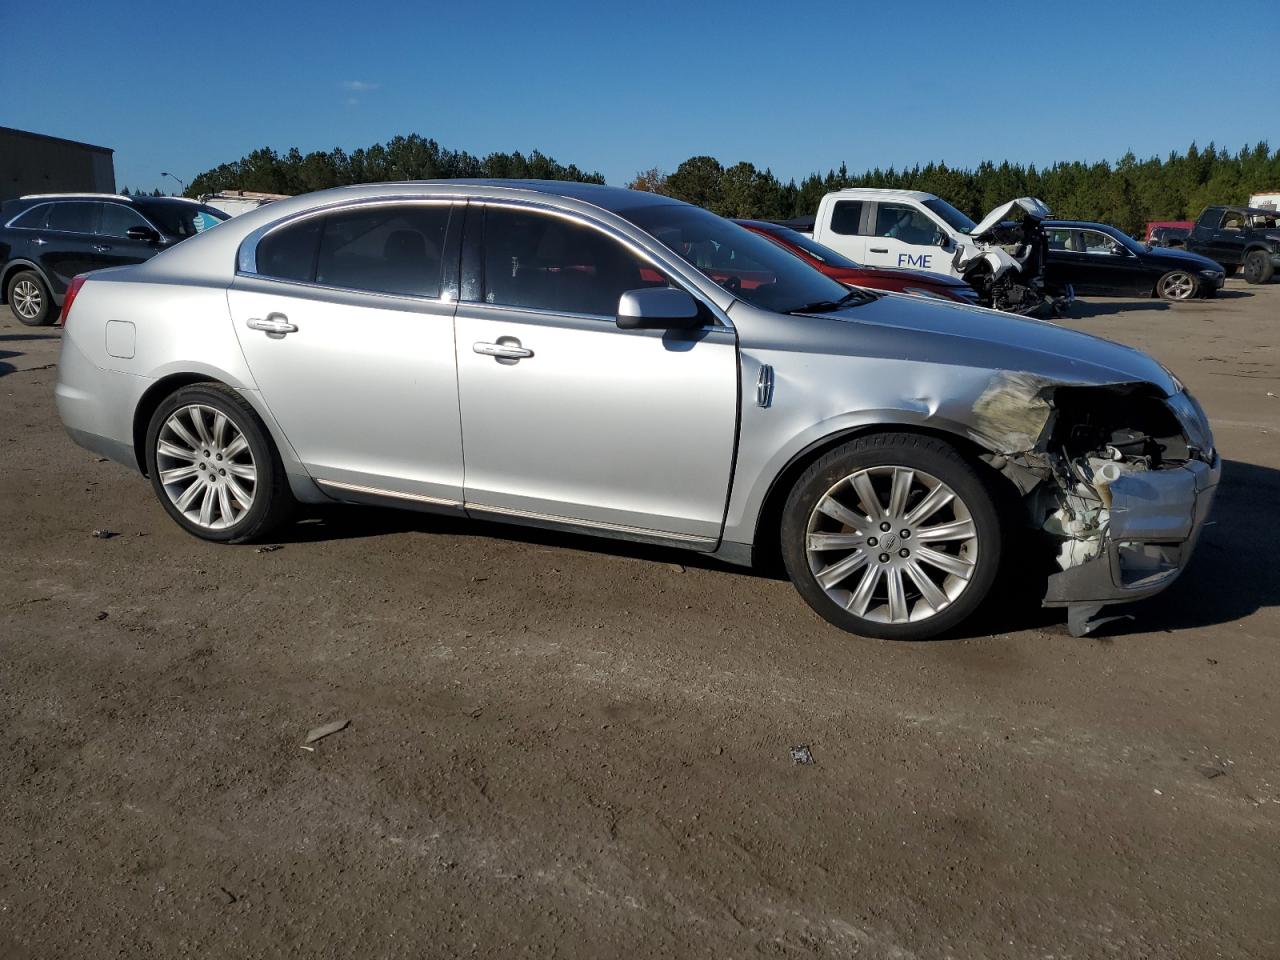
x,y
269,548
1209,772
801,754
227,895
102,615
319,733
678,568
104,534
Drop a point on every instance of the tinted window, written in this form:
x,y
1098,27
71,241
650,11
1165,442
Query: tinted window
x,y
846,217
385,249
1210,217
549,263
117,219
180,218
33,219
753,268
290,252
901,222
74,216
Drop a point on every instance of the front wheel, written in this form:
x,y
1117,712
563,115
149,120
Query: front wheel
x,y
214,467
1258,267
1177,285
893,536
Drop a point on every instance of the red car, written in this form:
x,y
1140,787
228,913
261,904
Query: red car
x,y
841,268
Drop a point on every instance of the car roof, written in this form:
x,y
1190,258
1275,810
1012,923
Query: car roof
x,y
884,192
596,194
1080,224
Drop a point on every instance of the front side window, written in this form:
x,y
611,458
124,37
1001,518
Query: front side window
x,y
901,222
1233,220
1095,242
846,217
745,263
385,249
180,218
545,262
74,216
117,219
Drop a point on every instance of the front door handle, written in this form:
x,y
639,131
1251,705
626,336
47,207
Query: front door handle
x,y
39,241
102,247
275,323
510,350
879,249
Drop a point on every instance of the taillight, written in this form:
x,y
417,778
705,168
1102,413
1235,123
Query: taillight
x,y
72,289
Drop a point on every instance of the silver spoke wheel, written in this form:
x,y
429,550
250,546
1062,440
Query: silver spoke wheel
x,y
1177,285
28,300
892,544
205,466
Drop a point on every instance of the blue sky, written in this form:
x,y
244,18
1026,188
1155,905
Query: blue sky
x,y
796,87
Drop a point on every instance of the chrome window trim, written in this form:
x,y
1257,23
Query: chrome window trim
x,y
104,199
23,213
563,318
347,291
669,270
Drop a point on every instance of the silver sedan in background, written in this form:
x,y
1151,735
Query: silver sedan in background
x,y
598,360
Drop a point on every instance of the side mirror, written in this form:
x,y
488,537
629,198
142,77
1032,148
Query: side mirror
x,y
940,239
658,308
1119,251
143,233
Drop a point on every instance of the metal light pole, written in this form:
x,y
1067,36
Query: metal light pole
x,y
165,173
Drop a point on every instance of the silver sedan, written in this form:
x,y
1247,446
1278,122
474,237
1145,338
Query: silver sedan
x,y
603,361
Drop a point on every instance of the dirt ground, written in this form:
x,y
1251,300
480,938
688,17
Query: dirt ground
x,y
562,747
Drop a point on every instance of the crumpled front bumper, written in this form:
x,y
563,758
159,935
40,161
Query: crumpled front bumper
x,y
1156,519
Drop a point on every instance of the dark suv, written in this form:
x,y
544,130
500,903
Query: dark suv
x,y
1239,237
46,240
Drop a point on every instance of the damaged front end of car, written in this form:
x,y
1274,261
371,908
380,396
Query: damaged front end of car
x,y
1005,259
1118,478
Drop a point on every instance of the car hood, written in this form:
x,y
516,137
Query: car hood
x,y
1029,205
903,328
1175,257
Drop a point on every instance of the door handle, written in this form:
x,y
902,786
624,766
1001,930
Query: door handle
x,y
102,247
503,351
39,241
275,323
879,249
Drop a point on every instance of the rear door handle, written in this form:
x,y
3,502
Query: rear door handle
x,y
102,247
503,351
276,323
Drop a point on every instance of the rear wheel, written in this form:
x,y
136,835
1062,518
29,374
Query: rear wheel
x,y
214,467
29,299
1178,285
1258,267
893,536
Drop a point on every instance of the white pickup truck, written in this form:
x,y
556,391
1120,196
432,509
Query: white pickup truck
x,y
917,231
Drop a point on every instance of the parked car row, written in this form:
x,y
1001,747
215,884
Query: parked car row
x,y
593,359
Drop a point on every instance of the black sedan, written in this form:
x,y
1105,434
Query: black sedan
x,y
1097,259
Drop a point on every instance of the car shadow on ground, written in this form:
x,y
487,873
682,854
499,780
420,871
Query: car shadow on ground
x,y
1084,309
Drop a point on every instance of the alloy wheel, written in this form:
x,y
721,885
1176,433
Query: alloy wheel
x,y
892,544
205,466
1177,285
28,299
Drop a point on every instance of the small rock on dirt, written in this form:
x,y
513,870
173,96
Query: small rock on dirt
x,y
269,548
104,534
102,615
319,733
801,754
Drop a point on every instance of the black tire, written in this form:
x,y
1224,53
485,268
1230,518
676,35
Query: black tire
x,y
1229,270
881,452
1258,267
1178,285
29,299
272,502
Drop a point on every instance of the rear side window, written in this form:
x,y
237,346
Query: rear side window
x,y
290,252
33,219
385,249
549,263
846,216
117,219
74,216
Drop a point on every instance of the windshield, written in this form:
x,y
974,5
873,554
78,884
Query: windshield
x,y
813,248
178,218
950,215
744,263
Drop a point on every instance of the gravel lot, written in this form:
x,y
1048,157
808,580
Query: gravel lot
x,y
566,747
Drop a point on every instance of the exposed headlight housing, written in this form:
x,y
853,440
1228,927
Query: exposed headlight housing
x,y
1192,420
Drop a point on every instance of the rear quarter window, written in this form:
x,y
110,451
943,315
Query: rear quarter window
x,y
33,218
290,252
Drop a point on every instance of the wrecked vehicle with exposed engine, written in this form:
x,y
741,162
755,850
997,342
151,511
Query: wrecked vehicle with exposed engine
x,y
1003,258
553,354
